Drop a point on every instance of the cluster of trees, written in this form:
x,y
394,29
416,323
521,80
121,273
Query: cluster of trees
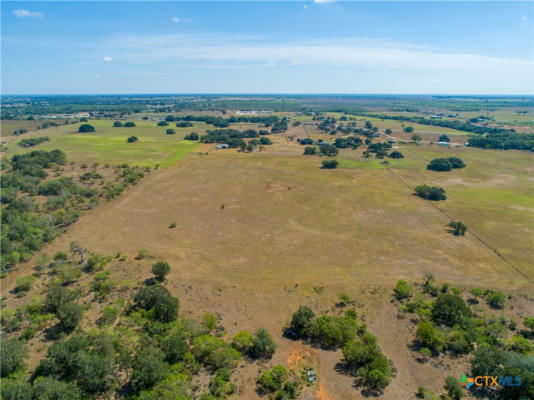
x,y
232,137
445,164
361,352
151,353
396,154
259,346
352,141
27,225
504,141
32,142
448,324
278,383
434,193
379,149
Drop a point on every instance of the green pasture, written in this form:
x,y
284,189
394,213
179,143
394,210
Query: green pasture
x,y
109,145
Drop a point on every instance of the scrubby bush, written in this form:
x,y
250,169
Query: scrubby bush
x,y
60,256
215,353
364,356
444,138
528,322
265,141
402,290
448,309
149,367
191,136
427,335
396,154
310,151
302,322
263,345
24,284
175,346
458,228
68,273
170,131
330,164
243,342
333,331
163,123
129,124
132,139
109,314
117,124
519,344
160,270
158,300
12,353
496,299
278,384
430,192
97,262
46,388
56,296
69,315
453,388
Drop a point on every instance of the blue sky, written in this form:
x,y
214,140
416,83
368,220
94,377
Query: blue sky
x,y
267,47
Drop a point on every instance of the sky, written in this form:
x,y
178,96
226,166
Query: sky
x,y
320,46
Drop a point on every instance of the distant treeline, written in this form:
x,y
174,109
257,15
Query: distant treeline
x,y
458,125
504,141
278,124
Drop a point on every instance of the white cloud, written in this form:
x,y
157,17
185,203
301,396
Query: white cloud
x,y
108,59
355,53
97,76
323,1
21,13
175,19
524,18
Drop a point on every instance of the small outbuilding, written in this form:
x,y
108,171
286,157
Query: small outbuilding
x,y
222,146
443,143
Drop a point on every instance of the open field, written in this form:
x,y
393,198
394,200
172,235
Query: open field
x,y
108,144
8,126
288,227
